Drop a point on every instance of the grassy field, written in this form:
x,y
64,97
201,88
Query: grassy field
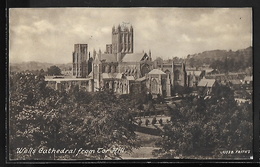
x,y
147,143
147,140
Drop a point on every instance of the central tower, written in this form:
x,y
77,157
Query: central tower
x,y
122,39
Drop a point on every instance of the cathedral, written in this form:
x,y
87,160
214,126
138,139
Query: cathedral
x,y
119,67
121,70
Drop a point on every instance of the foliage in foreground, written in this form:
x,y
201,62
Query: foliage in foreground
x,y
43,118
205,127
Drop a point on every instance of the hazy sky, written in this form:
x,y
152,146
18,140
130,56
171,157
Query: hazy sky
x,y
49,34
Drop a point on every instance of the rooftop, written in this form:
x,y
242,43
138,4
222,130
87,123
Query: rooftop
x,y
66,79
134,57
131,78
206,82
156,71
141,79
108,57
192,72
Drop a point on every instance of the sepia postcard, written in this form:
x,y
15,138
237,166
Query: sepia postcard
x,y
142,83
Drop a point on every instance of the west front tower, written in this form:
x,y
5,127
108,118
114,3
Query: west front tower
x,y
80,60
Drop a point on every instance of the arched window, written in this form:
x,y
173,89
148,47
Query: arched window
x,y
113,69
167,71
115,86
118,88
176,75
121,88
125,89
145,69
107,69
107,85
111,85
154,86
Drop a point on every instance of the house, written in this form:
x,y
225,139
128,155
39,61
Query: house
x,y
210,71
206,86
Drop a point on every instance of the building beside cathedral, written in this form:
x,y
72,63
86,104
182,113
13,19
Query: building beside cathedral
x,y
158,82
81,67
176,71
121,70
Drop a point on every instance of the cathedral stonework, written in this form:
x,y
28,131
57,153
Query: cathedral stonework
x,y
122,71
122,39
118,67
80,60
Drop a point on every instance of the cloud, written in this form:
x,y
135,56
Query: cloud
x,y
49,34
185,38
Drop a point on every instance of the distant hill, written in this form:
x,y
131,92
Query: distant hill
x,y
194,60
33,66
66,67
208,57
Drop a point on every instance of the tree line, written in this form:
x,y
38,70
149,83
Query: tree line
x,y
231,65
223,61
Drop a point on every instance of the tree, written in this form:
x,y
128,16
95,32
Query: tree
x,y
29,99
54,70
159,99
192,62
67,120
204,127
